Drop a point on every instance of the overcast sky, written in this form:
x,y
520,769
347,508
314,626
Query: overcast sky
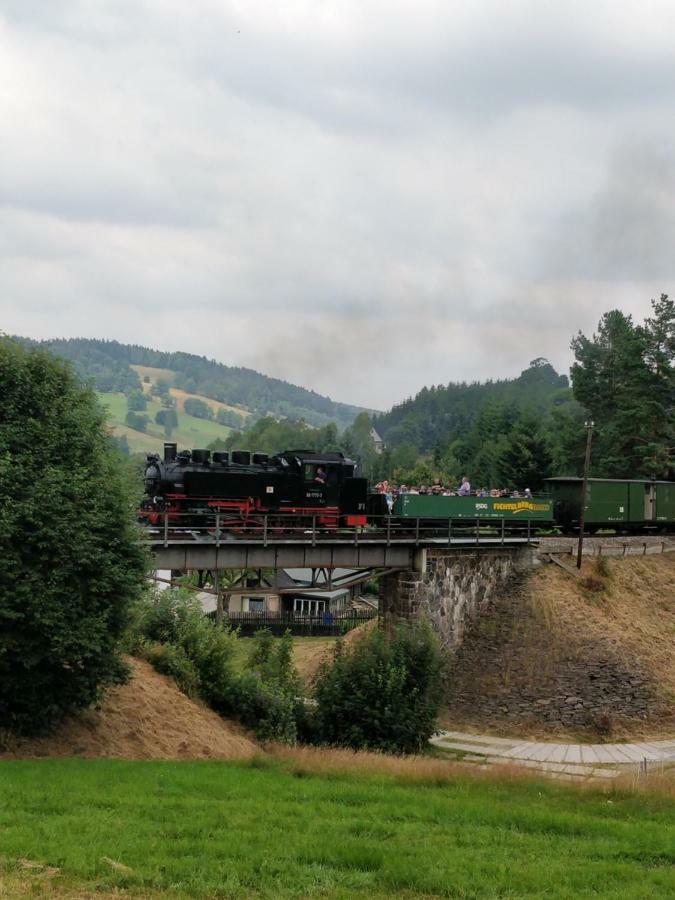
x,y
361,197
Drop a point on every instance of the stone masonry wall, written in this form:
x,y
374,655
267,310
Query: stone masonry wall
x,y
457,587
507,660
517,667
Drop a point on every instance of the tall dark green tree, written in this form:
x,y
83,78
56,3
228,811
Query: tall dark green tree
x,y
623,376
71,560
525,459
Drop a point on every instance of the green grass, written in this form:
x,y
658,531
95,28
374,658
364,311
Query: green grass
x,y
263,830
191,432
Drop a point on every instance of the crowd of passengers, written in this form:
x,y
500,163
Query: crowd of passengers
x,y
464,490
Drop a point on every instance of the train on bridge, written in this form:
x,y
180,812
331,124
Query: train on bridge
x,y
242,491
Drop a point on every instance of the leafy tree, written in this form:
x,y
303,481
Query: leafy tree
x,y
160,388
137,421
358,442
229,418
193,406
168,418
71,558
136,401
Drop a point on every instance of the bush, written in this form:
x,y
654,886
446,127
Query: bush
x,y
71,561
172,632
270,694
171,619
173,661
380,694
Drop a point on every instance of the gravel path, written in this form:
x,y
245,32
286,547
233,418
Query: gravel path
x,y
572,762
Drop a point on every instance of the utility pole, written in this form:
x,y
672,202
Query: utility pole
x,y
219,598
582,512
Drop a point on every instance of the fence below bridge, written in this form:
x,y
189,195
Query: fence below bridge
x,y
321,625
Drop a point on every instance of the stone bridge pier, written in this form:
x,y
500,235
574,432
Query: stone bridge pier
x,y
450,587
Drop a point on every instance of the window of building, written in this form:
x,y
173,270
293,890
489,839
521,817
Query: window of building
x,y
308,607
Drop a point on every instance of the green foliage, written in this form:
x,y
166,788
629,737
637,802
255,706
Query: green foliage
x,y
136,401
168,418
271,436
262,644
137,421
524,460
174,635
229,418
108,363
439,416
71,560
381,693
193,406
479,429
625,377
173,661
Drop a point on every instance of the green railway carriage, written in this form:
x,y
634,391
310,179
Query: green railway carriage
x,y
435,506
629,504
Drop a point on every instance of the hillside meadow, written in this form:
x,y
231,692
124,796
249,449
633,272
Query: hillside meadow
x,y
191,431
289,825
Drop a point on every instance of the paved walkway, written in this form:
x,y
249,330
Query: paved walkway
x,y
570,761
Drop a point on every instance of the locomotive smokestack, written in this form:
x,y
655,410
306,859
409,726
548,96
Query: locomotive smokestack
x,y
170,452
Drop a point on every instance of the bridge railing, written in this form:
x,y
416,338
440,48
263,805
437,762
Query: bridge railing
x,y
273,528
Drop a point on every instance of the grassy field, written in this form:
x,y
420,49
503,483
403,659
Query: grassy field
x,y
191,432
277,828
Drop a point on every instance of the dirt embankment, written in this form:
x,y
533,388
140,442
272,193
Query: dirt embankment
x,y
147,718
568,656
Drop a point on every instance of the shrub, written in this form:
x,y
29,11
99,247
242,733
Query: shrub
x,y
172,619
173,661
160,616
271,692
266,708
71,561
380,694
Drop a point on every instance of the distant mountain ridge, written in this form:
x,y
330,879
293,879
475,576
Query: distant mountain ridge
x,y
109,364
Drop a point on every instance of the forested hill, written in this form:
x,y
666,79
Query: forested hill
x,y
109,364
437,416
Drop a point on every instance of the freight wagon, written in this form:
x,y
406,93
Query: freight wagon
x,y
623,505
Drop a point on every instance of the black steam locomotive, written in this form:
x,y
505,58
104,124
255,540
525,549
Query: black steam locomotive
x,y
242,488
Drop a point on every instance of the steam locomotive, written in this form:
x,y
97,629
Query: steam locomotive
x,y
243,488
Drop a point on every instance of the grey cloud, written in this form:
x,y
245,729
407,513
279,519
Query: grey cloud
x,y
358,198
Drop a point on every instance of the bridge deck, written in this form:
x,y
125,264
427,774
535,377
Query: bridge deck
x,y
199,551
